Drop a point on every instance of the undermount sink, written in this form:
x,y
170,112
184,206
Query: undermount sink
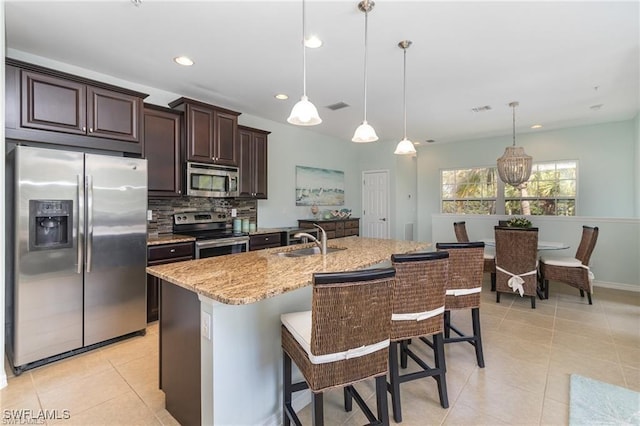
x,y
307,251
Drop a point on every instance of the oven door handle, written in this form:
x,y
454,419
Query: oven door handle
x,y
221,242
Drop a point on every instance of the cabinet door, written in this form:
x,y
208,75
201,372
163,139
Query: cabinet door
x,y
225,127
162,151
113,115
200,134
245,143
51,103
260,165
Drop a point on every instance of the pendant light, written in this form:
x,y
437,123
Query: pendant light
x,y
405,146
514,167
364,132
304,113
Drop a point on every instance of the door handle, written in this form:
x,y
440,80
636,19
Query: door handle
x,y
384,219
80,223
89,221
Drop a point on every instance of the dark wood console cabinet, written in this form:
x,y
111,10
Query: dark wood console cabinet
x,y
263,241
253,162
158,255
162,148
211,132
49,106
335,228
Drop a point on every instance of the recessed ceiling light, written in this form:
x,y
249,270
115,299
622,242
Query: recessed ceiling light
x,y
537,126
597,107
281,96
183,60
430,141
312,42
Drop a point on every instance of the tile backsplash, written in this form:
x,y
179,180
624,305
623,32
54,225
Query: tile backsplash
x,y
164,208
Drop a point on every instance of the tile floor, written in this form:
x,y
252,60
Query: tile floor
x,y
529,355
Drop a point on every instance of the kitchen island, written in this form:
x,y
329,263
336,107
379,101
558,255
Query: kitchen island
x,y
220,325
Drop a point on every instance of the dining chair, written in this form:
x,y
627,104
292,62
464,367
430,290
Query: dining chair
x,y
418,301
460,229
573,271
517,262
463,291
343,340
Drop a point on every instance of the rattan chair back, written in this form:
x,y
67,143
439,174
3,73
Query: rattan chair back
x,y
460,229
587,244
517,253
466,265
420,286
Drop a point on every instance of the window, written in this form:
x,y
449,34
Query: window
x,y
469,191
551,190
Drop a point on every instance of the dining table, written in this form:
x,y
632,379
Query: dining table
x,y
542,245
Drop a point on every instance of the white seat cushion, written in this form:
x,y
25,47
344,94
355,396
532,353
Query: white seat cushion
x,y
489,256
299,325
570,262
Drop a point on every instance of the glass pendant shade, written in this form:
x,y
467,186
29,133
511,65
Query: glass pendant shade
x,y
364,133
514,167
405,147
304,113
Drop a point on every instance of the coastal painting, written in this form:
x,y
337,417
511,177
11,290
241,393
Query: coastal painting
x,y
322,187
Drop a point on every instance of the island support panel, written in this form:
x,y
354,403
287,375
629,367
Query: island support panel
x,y
180,353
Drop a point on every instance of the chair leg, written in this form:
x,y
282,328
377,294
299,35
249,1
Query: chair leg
x,y
493,281
589,297
348,400
546,288
475,319
404,344
533,302
381,400
317,409
440,364
394,386
497,296
447,324
286,388
581,293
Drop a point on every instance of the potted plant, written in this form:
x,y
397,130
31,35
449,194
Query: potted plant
x,y
519,222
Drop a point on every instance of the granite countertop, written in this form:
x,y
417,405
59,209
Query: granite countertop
x,y
245,278
168,239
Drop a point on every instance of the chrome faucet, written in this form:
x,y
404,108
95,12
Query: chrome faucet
x,y
322,244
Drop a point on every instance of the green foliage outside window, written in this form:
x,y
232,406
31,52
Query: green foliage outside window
x,y
551,190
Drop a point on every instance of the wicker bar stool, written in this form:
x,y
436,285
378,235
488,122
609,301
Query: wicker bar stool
x,y
344,339
572,271
489,257
466,265
418,308
517,262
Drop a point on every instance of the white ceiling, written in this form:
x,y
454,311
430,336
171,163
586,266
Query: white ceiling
x,y
550,56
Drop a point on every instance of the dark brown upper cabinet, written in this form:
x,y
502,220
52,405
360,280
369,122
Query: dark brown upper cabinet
x,y
211,132
253,162
162,149
49,106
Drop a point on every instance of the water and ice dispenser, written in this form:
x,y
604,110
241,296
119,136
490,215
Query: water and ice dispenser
x,y
50,224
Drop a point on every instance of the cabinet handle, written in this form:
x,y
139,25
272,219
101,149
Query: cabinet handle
x,y
172,250
266,239
179,191
84,128
90,129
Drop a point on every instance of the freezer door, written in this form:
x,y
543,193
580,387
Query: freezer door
x,y
116,247
47,287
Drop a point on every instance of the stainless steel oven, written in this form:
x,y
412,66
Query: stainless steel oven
x,y
221,246
214,234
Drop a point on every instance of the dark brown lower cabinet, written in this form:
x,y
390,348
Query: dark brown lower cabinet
x,y
180,353
158,255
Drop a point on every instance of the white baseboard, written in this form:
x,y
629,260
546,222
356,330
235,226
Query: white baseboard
x,y
617,286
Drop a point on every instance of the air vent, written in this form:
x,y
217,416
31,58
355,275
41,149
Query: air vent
x,y
481,108
337,106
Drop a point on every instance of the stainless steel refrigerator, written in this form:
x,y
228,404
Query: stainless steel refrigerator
x,y
78,252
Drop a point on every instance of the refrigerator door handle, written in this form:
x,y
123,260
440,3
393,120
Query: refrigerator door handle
x,y
89,181
80,223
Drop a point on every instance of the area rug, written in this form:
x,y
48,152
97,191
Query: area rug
x,y
598,403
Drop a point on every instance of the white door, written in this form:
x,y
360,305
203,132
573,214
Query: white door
x,y
375,204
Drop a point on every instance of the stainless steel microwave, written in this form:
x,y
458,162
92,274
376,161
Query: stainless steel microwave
x,y
210,180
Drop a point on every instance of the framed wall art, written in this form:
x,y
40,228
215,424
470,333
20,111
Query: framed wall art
x,y
322,187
